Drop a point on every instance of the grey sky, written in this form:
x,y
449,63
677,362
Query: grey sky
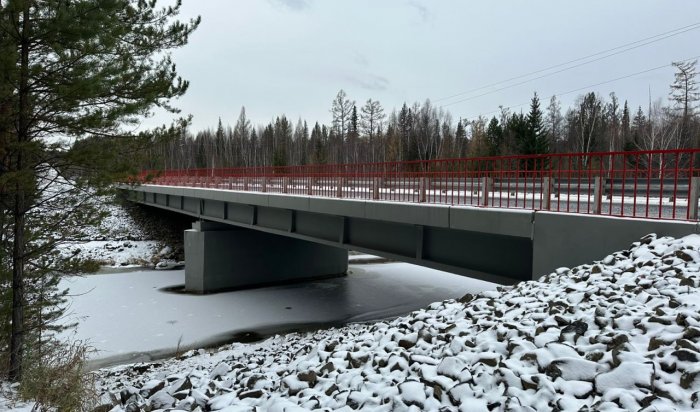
x,y
292,56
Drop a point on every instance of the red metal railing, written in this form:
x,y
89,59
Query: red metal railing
x,y
661,184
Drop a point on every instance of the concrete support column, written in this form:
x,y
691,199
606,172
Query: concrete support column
x,y
422,189
486,184
598,195
546,193
376,183
693,193
221,257
339,186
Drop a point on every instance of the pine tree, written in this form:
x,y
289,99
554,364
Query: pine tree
x,y
519,129
494,136
318,155
254,149
217,146
78,69
267,141
282,136
533,139
639,126
461,139
241,137
407,147
625,128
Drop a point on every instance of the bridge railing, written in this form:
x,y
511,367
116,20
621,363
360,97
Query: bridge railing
x,y
660,184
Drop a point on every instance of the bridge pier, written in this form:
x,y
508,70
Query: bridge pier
x,y
221,257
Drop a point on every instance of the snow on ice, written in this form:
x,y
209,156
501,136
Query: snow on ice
x,y
149,318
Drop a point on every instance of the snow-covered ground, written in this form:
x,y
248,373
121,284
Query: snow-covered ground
x,y
8,402
622,334
133,316
615,335
115,253
118,242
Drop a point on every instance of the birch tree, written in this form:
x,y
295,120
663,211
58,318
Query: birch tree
x,y
371,117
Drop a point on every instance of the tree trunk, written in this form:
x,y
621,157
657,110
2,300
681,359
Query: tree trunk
x,y
17,337
19,210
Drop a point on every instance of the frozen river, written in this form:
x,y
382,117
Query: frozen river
x,y
133,316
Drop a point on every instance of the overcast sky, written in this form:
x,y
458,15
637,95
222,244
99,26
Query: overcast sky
x,y
292,56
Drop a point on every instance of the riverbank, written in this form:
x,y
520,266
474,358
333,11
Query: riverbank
x,y
619,334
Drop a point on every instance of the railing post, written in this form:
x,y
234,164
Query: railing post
x,y
546,193
245,183
376,182
264,184
230,183
285,184
310,186
422,189
598,195
486,183
693,193
339,185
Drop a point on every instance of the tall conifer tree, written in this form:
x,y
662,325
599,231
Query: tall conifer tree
x,y
77,70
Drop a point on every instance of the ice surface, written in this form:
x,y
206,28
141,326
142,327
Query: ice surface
x,y
126,315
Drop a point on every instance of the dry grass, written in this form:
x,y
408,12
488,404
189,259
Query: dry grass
x,y
56,379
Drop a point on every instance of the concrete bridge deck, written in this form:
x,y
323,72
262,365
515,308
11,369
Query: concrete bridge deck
x,y
497,245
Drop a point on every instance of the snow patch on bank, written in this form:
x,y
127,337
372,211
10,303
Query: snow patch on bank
x,y
128,253
118,241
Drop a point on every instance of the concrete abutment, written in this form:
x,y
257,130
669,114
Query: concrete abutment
x,y
223,257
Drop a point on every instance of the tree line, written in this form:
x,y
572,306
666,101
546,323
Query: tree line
x,y
422,131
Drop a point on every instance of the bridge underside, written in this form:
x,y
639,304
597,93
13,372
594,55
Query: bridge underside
x,y
294,237
223,257
287,246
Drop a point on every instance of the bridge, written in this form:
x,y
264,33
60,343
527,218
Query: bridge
x,y
501,219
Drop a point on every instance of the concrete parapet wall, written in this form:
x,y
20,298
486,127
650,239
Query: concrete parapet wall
x,y
509,222
561,239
